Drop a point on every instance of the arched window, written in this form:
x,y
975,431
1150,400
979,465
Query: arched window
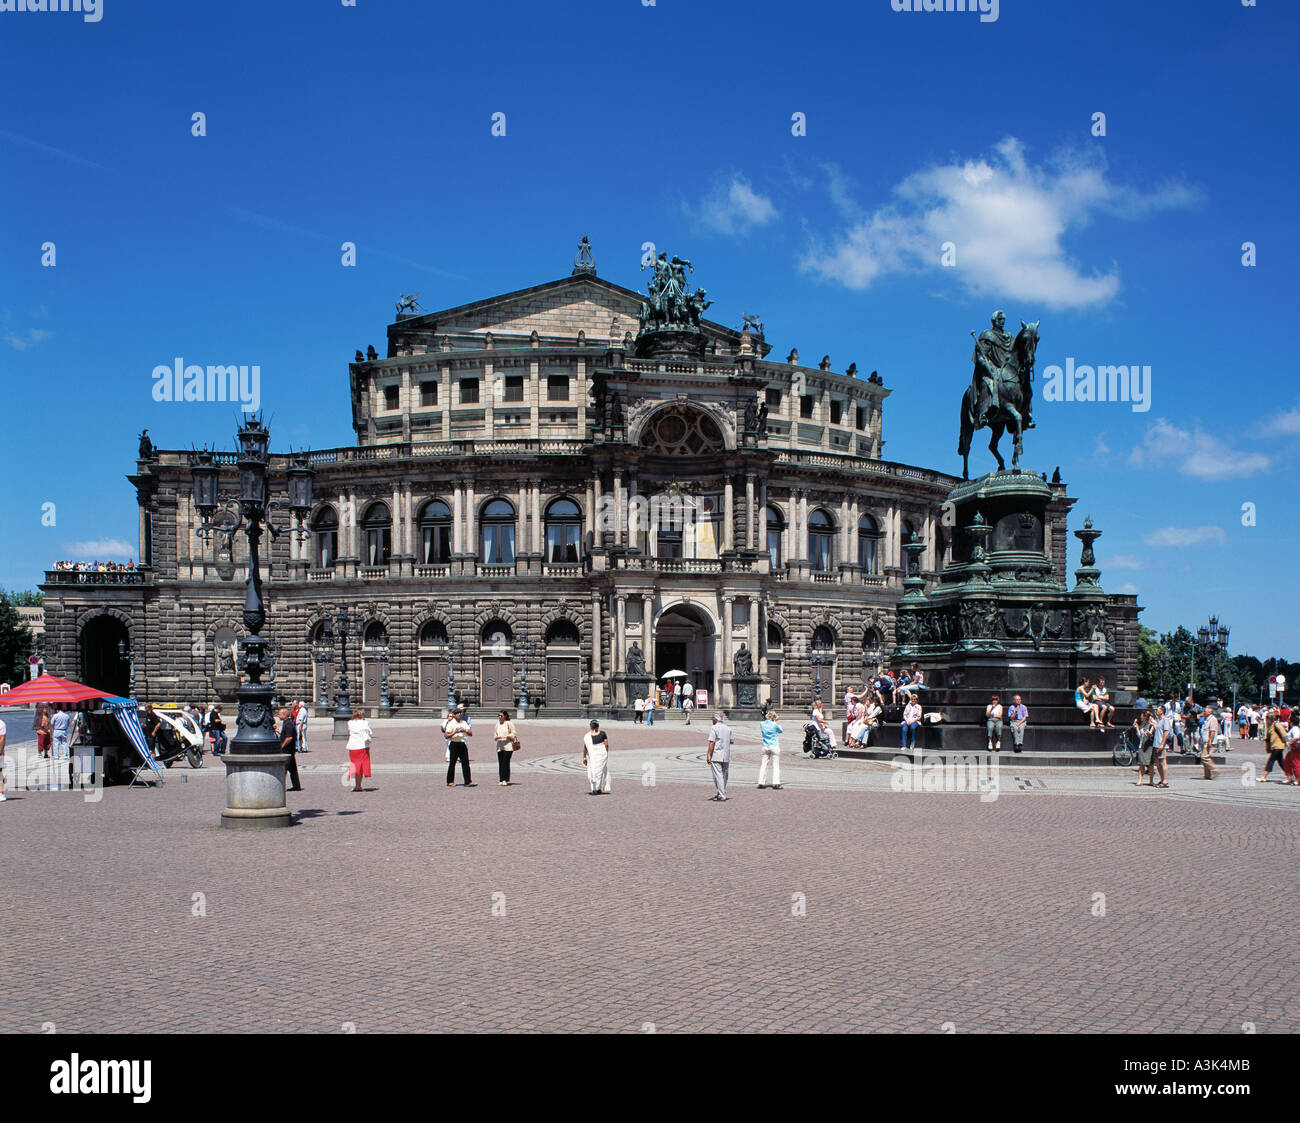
x,y
872,642
868,536
823,640
498,526
563,633
325,536
375,635
563,531
497,638
434,523
433,634
821,541
377,527
775,529
775,637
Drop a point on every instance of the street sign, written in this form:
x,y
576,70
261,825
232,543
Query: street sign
x,y
33,660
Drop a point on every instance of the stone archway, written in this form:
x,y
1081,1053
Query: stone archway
x,y
686,639
103,665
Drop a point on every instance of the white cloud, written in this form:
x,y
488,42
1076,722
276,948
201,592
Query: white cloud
x,y
1128,587
21,341
1124,561
1194,453
1007,219
104,549
1288,424
1180,536
732,208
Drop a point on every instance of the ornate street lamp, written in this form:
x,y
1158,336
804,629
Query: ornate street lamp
x,y
127,655
343,711
385,705
323,650
1211,639
521,709
451,679
255,766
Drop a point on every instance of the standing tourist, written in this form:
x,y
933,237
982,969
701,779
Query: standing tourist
x,y
456,731
719,755
595,755
42,727
300,725
771,732
60,727
688,691
1209,735
360,736
993,724
1162,743
217,727
677,693
1144,731
289,744
911,721
650,703
1019,716
1253,716
638,711
506,738
688,705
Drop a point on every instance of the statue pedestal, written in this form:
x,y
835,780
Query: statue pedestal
x,y
747,691
225,686
1001,620
628,688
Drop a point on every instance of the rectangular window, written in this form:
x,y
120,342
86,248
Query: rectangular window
x,y
740,616
499,544
774,548
514,389
862,418
806,404
837,411
773,398
557,387
390,397
428,393
379,546
562,543
468,391
435,544
634,610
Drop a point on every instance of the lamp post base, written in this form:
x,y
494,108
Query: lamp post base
x,y
340,728
255,791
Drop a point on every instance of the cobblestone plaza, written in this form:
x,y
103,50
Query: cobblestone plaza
x,y
834,904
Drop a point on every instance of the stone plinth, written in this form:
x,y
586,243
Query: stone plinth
x,y
255,791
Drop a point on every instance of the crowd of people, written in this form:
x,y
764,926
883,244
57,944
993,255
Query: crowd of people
x,y
1175,726
96,566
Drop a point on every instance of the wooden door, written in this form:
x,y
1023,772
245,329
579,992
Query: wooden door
x,y
563,687
498,684
433,682
774,673
370,682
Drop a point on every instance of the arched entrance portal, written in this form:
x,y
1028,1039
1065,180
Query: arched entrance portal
x,y
685,641
103,665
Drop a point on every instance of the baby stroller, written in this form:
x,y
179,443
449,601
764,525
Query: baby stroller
x,y
816,743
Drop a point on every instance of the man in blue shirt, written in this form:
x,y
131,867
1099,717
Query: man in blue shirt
x,y
1018,716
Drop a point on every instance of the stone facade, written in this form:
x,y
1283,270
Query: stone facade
x,y
526,496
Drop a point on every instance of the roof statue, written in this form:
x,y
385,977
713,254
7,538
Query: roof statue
x,y
584,262
409,304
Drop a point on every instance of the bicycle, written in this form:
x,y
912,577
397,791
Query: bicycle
x,y
1125,752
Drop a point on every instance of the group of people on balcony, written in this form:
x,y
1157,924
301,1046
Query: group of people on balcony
x,y
96,566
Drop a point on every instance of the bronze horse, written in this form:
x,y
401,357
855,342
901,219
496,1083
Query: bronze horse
x,y
1013,393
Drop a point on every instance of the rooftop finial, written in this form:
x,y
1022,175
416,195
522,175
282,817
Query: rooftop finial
x,y
584,262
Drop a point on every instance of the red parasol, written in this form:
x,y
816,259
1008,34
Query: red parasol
x,y
52,689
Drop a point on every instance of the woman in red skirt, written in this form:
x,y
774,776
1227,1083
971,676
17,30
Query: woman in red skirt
x,y
359,737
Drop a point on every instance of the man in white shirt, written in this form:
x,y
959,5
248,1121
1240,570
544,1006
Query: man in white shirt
x,y
719,756
455,731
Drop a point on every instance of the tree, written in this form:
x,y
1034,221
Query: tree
x,y
15,643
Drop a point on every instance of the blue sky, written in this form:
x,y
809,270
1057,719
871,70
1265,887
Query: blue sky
x,y
672,123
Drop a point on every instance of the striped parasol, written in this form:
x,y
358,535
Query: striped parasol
x,y
54,690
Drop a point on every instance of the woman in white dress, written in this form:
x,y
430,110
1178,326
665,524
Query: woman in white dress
x,y
359,737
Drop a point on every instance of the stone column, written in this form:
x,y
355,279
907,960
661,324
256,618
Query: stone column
x,y
751,519
802,541
728,516
725,671
618,507
523,517
844,531
597,661
457,520
471,527
537,517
